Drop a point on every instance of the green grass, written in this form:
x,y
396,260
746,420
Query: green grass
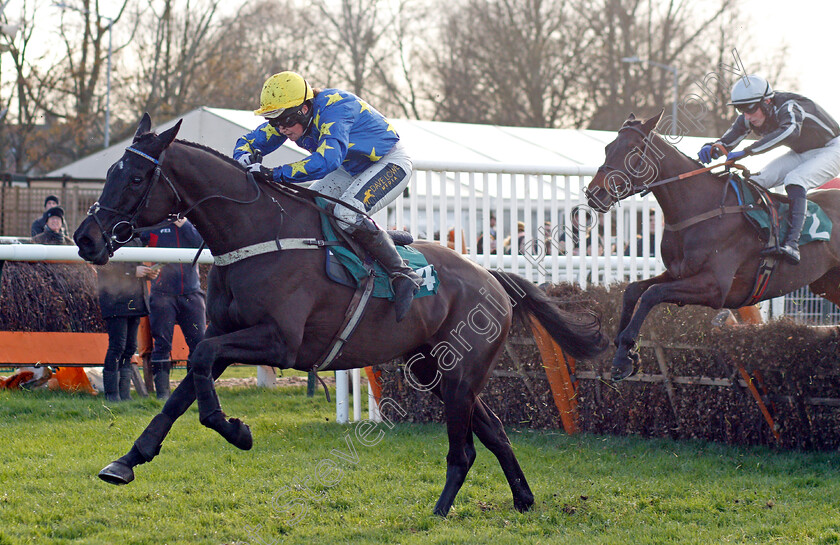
x,y
589,489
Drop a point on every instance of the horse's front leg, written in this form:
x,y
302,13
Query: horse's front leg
x,y
147,446
696,290
260,344
632,293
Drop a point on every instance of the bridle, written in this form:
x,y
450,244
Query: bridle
x,y
635,175
131,230
646,185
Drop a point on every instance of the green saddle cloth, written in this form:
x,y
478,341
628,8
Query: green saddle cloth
x,y
356,270
817,224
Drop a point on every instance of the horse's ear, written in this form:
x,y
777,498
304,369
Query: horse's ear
x,y
631,117
167,136
651,123
144,127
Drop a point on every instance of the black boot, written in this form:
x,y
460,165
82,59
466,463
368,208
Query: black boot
x,y
110,381
404,280
125,380
798,204
161,375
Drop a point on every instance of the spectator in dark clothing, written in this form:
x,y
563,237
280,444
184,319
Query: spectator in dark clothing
x,y
123,299
53,232
40,224
176,299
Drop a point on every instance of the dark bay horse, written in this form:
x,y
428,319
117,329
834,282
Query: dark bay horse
x,y
279,308
711,256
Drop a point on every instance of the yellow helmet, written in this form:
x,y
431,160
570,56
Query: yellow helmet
x,y
281,92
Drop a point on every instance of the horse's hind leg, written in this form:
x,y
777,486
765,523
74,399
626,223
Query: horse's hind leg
x,y
257,344
458,402
427,377
490,431
147,446
828,286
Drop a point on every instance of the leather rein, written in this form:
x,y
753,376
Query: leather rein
x,y
649,186
125,230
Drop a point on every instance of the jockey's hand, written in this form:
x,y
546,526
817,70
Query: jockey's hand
x,y
735,155
705,154
262,173
249,159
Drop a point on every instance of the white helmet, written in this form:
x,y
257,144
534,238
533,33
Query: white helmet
x,y
749,90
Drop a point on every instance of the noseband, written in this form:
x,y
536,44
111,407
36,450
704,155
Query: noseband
x,y
635,179
130,223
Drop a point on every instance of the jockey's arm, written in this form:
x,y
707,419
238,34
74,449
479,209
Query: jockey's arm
x,y
264,139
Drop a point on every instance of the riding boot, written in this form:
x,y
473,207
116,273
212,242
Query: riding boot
x,y
404,280
161,378
125,380
110,381
798,205
789,249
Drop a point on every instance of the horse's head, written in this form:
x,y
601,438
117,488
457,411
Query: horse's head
x,y
629,166
136,194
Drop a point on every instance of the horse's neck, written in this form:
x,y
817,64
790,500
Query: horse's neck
x,y
682,199
226,224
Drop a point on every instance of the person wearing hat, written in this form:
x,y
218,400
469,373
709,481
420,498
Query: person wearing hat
x,y
356,157
39,224
53,232
781,118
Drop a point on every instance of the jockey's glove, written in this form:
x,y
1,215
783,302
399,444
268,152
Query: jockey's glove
x,y
249,159
735,155
262,173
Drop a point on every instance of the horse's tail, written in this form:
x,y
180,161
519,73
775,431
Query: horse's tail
x,y
577,333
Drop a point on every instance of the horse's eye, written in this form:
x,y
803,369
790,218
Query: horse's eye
x,y
136,180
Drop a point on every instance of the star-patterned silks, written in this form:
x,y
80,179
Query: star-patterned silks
x,y
323,147
269,131
373,157
333,98
345,132
299,167
246,146
324,129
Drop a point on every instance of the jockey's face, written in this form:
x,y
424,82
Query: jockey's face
x,y
295,131
756,118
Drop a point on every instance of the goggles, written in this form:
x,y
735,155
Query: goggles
x,y
288,119
748,108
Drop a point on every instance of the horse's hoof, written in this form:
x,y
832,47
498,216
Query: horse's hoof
x,y
241,438
624,367
523,505
117,473
440,512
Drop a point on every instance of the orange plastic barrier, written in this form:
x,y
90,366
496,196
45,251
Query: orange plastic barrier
x,y
71,379
33,347
559,369
375,380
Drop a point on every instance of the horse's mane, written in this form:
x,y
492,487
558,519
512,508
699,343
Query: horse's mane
x,y
694,161
211,151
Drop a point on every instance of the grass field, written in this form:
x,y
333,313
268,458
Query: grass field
x,y
309,480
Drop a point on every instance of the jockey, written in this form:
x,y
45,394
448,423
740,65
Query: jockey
x,y
356,157
782,118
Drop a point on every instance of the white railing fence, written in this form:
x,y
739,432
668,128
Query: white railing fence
x,y
562,240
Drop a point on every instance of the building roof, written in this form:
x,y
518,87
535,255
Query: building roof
x,y
427,142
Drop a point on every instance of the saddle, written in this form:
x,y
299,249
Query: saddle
x,y
767,213
348,265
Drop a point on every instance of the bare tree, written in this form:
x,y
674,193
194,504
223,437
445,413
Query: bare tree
x,y
177,41
259,40
515,63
